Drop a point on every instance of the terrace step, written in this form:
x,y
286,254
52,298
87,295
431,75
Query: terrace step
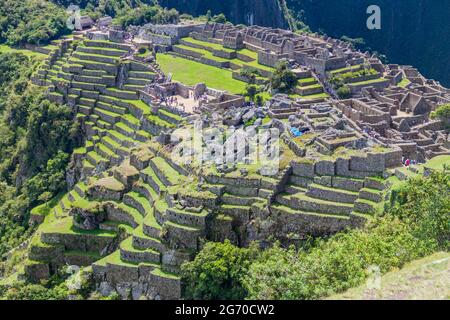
x,y
131,121
137,201
122,213
107,44
331,194
142,75
84,110
121,94
106,152
365,206
111,108
96,159
293,189
116,227
289,210
307,204
187,237
142,241
238,201
138,81
102,51
241,213
186,217
150,226
124,129
133,87
161,123
146,190
371,195
149,176
95,57
87,79
134,255
108,116
169,116
93,73
121,139
300,181
168,175
80,189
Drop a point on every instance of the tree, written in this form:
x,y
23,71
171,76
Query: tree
x,y
344,92
251,91
216,272
443,113
283,80
220,18
208,15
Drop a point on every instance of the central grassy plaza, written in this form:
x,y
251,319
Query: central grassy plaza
x,y
191,73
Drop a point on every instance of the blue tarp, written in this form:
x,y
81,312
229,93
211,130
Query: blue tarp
x,y
296,132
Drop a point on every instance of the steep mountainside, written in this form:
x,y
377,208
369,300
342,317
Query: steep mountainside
x,y
413,32
261,12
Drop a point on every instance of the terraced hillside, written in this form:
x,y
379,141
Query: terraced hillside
x,y
113,200
134,215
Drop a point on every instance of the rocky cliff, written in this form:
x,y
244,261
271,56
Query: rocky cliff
x,y
261,12
412,32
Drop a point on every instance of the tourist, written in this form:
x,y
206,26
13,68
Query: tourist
x,y
407,163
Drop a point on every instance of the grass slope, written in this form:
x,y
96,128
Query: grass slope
x,y
424,279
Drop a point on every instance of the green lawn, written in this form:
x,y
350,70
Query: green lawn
x,y
191,72
404,83
313,96
210,45
368,81
346,69
5,49
249,53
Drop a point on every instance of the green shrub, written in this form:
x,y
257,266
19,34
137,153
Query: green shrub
x,y
344,92
424,204
443,113
334,265
216,272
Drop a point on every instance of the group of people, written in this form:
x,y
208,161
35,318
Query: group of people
x,y
408,162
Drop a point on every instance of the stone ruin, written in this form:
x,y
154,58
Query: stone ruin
x,y
135,212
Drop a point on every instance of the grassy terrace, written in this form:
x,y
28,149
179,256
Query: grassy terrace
x,y
436,163
368,81
404,83
207,54
313,96
307,80
31,54
65,226
191,72
212,46
249,53
347,69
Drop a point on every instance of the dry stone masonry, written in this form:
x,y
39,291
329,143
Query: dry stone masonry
x,y
135,212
